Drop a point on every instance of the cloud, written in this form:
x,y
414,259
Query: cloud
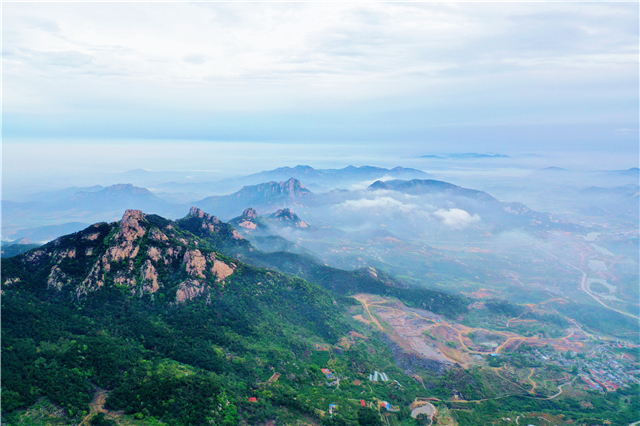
x,y
387,204
194,59
456,218
362,72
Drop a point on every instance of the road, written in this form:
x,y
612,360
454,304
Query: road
x,y
584,287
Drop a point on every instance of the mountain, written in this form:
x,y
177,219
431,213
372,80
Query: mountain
x,y
632,172
116,197
152,321
17,247
282,218
49,232
71,206
264,197
344,176
249,221
619,202
286,218
318,179
367,279
499,215
551,171
166,326
61,194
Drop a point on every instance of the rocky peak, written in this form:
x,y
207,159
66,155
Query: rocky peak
x,y
249,213
288,217
293,187
130,227
285,213
195,212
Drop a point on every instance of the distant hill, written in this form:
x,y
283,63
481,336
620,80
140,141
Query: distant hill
x,y
343,176
61,194
632,172
551,169
50,232
37,219
265,197
17,247
319,179
499,215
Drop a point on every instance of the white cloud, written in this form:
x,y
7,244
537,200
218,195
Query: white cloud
x,y
386,204
456,218
307,55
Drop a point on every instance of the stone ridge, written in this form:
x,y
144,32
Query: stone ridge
x,y
143,254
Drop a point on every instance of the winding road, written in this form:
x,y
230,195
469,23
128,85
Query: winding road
x,y
584,287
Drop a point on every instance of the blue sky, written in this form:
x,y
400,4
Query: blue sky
x,y
466,76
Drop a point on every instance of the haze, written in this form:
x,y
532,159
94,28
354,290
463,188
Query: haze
x,y
92,86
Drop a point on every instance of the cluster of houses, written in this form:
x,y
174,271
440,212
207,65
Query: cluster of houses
x,y
331,379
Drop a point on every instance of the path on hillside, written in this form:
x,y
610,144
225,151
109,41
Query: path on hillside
x,y
533,383
365,304
97,406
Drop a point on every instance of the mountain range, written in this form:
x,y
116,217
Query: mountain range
x,y
105,203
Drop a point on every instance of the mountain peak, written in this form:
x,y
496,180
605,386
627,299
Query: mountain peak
x,y
378,185
196,212
290,218
130,224
250,213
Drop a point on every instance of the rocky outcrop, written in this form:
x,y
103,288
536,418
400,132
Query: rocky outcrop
x,y
189,290
149,278
195,263
222,270
249,213
57,279
125,247
138,253
248,225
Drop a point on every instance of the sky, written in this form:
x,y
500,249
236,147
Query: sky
x,y
80,78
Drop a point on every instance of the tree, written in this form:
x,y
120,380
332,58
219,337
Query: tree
x,y
368,417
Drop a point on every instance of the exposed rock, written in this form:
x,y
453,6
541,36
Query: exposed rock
x,y
35,256
250,213
10,281
126,250
157,235
93,281
172,254
372,272
130,228
154,253
221,269
88,252
195,263
248,225
70,253
150,278
235,235
57,278
123,278
196,212
92,237
189,290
